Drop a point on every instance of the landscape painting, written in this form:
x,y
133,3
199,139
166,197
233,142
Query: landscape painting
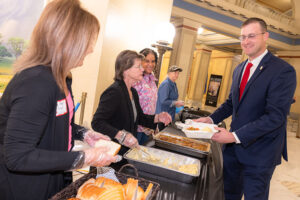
x,y
17,20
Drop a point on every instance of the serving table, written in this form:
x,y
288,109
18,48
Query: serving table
x,y
208,186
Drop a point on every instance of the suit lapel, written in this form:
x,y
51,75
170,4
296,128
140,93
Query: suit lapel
x,y
260,68
236,84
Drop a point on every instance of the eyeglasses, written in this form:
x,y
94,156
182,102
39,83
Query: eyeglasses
x,y
138,67
250,36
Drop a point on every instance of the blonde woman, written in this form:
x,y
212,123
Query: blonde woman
x,y
36,109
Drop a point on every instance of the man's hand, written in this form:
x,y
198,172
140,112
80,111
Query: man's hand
x,y
204,120
223,136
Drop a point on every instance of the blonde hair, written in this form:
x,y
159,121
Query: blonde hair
x,y
60,39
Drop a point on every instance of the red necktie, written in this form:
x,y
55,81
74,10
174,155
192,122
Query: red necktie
x,y
245,79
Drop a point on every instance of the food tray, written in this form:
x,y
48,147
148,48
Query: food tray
x,y
165,157
202,131
71,190
180,148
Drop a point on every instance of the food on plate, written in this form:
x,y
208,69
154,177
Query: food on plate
x,y
106,189
191,128
206,129
113,147
183,141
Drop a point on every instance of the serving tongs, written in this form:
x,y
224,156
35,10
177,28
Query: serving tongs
x,y
144,151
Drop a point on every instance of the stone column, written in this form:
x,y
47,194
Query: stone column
x,y
183,49
293,58
235,61
198,78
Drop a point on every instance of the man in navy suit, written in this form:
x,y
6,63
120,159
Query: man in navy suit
x,y
259,101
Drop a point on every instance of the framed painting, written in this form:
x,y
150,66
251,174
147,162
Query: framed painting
x,y
17,20
213,90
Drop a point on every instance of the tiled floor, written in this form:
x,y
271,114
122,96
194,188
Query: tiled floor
x,y
285,184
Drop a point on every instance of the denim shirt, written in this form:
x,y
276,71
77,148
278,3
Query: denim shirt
x,y
167,94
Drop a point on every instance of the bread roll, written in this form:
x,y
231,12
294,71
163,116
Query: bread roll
x,y
148,191
113,147
111,190
90,192
115,192
107,182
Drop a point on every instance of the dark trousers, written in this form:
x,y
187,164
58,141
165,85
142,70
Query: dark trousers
x,y
239,179
142,137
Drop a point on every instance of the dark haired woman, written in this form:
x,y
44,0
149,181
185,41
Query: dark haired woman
x,y
119,111
147,91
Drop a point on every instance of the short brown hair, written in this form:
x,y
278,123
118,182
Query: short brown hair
x,y
124,61
261,22
60,39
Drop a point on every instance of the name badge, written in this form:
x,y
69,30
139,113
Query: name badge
x,y
61,107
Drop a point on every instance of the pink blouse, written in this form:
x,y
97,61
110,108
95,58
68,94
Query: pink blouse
x,y
71,112
147,91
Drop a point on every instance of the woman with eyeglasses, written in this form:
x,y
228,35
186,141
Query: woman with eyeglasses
x,y
119,111
147,91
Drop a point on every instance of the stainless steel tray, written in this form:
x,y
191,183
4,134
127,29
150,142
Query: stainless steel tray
x,y
183,149
164,157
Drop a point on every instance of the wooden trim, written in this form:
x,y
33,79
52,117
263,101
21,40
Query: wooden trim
x,y
187,27
289,56
204,50
221,57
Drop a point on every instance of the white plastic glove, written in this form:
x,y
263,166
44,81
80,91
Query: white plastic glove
x,y
91,137
98,157
163,117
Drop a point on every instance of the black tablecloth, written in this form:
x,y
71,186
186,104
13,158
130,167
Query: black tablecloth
x,y
208,186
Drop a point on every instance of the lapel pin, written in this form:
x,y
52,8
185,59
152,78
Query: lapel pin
x,y
261,67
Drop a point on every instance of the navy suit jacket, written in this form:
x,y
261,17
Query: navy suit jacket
x,y
259,118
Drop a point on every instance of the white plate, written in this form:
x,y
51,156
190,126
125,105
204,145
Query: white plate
x,y
180,125
205,131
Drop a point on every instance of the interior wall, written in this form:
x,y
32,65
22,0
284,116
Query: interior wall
x,y
293,58
164,66
130,25
85,78
221,63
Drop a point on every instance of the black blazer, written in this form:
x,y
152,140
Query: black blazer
x,y
33,138
115,112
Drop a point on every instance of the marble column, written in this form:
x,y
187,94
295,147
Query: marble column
x,y
293,58
223,64
183,49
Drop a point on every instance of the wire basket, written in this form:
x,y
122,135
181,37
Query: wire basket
x,y
72,189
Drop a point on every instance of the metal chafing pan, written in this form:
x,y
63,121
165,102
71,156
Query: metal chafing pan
x,y
183,149
162,170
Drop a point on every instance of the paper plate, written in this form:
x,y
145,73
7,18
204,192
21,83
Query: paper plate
x,y
201,130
